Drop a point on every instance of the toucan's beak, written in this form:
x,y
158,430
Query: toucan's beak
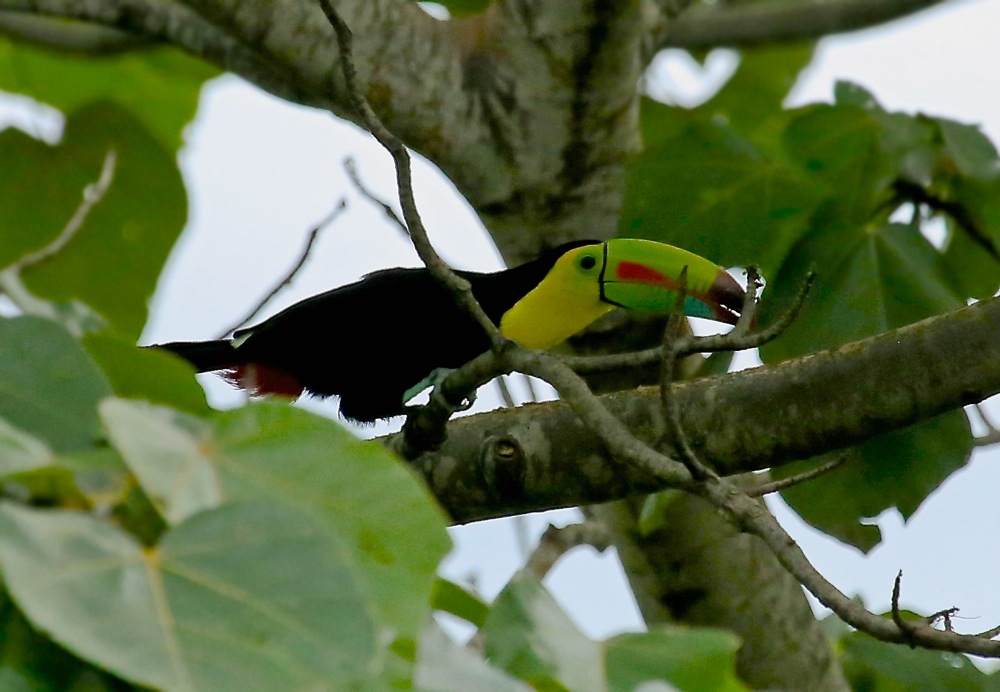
x,y
645,275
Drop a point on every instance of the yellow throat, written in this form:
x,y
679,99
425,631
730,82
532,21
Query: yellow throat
x,y
562,304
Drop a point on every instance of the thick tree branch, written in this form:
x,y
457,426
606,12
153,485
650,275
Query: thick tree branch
x,y
531,108
173,22
748,24
541,456
74,37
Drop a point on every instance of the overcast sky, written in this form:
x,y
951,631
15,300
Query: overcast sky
x,y
261,172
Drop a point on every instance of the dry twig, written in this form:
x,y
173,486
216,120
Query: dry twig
x,y
91,196
352,172
293,272
556,542
784,483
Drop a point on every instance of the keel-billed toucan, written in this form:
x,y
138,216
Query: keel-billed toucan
x,y
371,341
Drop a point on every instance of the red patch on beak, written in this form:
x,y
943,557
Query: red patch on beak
x,y
633,271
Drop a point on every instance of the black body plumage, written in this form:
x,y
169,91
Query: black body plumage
x,y
371,341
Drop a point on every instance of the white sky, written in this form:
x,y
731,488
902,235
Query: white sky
x,y
261,172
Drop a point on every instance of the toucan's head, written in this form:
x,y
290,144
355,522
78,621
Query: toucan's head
x,y
588,280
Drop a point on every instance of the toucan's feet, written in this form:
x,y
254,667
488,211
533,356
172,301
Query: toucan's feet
x,y
438,398
434,380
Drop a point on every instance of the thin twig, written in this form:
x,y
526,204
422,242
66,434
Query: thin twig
x,y
458,286
92,194
748,311
905,626
992,435
668,403
754,519
293,272
505,394
945,616
352,172
962,217
556,542
785,483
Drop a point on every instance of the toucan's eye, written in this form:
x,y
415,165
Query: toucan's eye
x,y
588,262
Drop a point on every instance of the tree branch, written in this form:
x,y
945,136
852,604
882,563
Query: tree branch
x,y
74,37
741,422
748,24
173,22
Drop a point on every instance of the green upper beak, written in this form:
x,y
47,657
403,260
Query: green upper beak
x,y
645,275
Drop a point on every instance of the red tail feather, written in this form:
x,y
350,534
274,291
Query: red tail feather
x,y
258,379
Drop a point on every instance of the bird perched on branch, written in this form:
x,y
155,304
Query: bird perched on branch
x,y
374,341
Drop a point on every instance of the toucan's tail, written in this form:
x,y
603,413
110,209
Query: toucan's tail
x,y
205,356
255,378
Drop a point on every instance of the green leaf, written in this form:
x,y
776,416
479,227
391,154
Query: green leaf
x,y
136,223
751,100
220,582
146,373
976,271
29,656
875,666
452,598
528,635
690,659
972,152
12,680
840,146
170,453
868,280
898,470
274,452
652,515
443,666
20,451
49,387
161,86
711,192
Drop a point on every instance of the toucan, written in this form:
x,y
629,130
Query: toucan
x,y
374,341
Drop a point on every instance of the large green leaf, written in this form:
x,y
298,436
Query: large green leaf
x,y
898,469
875,666
975,270
49,387
841,147
690,659
444,666
712,192
243,597
160,86
271,451
146,373
529,636
13,681
113,262
869,280
751,100
452,598
20,452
